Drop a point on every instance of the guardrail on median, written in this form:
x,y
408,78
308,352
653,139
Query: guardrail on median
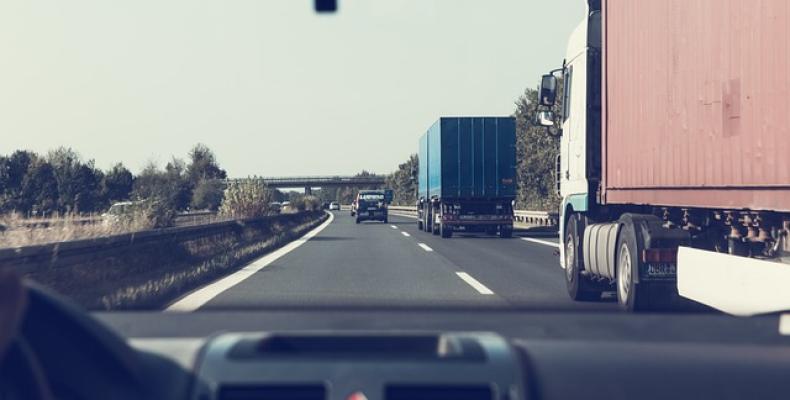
x,y
147,268
522,217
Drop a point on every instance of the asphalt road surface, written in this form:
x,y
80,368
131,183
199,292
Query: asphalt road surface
x,y
373,264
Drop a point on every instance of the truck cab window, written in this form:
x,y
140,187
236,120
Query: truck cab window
x,y
566,93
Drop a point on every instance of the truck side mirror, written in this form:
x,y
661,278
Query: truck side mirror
x,y
545,118
548,90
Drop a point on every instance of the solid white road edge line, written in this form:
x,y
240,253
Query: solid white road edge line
x,y
424,246
474,283
203,295
543,242
405,234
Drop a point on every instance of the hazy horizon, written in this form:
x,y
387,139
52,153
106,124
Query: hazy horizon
x,y
271,87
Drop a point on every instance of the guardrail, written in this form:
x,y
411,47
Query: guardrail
x,y
147,268
523,217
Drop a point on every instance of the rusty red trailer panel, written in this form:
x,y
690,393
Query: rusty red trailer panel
x,y
697,103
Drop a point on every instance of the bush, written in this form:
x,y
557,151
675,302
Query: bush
x,y
246,199
310,203
208,195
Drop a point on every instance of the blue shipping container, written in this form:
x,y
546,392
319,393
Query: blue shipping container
x,y
468,158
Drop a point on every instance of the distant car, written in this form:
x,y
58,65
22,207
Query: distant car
x,y
371,205
275,206
334,206
119,211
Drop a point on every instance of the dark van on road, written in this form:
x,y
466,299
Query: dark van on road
x,y
371,205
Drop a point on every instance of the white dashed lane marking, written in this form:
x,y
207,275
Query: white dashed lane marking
x,y
424,246
482,289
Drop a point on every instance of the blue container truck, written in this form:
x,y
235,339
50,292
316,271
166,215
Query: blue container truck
x,y
467,176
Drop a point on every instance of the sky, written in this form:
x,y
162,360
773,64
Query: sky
x,y
273,88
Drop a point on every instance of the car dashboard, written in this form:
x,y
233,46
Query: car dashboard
x,y
431,354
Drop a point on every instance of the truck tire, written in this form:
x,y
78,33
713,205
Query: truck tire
x,y
386,220
580,288
419,225
505,232
357,219
446,231
630,295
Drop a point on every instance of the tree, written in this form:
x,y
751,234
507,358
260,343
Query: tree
x,y
536,152
207,195
203,165
117,184
403,182
12,172
39,191
169,188
65,162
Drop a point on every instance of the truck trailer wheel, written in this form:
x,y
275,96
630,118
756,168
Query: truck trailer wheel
x,y
630,295
419,224
357,219
580,288
505,232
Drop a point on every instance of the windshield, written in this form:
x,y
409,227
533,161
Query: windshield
x,y
236,137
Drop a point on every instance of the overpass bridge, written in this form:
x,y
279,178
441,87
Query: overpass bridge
x,y
310,182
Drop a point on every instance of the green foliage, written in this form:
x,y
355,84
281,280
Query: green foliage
x,y
403,182
536,153
207,195
248,198
170,187
203,165
39,191
117,184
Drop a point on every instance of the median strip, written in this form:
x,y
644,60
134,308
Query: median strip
x,y
543,242
482,289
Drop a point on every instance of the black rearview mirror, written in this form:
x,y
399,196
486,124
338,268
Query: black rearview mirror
x,y
548,90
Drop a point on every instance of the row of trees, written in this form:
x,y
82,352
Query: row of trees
x,y
61,181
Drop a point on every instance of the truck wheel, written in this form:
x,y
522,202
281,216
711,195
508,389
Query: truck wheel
x,y
357,219
386,220
579,287
435,230
419,225
505,232
446,231
630,295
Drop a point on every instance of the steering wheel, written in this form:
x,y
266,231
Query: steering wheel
x,y
16,356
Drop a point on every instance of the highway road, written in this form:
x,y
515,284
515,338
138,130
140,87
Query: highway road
x,y
373,264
